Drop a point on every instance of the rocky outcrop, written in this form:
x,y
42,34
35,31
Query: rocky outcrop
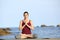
x,y
43,25
58,25
4,31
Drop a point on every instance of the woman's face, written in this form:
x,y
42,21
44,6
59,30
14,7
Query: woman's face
x,y
26,15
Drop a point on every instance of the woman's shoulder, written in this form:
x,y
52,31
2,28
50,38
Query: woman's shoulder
x,y
30,20
21,20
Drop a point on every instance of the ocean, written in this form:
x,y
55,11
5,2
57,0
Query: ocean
x,y
41,32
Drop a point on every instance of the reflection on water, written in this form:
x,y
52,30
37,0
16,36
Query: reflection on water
x,y
42,32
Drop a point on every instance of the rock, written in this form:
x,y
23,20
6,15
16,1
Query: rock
x,y
58,25
4,32
8,29
43,25
51,26
34,37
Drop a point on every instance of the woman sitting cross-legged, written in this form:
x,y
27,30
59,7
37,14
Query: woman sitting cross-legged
x,y
26,26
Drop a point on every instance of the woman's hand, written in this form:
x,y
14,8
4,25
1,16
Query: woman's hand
x,y
25,23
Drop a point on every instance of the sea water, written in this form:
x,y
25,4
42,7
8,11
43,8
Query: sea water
x,y
41,32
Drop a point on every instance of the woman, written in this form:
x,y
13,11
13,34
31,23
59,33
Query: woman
x,y
26,26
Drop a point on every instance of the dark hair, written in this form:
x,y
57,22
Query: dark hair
x,y
26,12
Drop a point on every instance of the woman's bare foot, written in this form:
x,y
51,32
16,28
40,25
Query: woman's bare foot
x,y
23,36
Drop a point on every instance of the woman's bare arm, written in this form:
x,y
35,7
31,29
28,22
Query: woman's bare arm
x,y
31,27
20,26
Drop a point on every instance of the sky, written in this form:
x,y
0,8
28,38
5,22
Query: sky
x,y
40,12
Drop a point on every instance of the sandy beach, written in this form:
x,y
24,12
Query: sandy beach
x,y
34,39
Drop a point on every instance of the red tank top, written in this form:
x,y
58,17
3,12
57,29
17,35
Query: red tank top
x,y
26,29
